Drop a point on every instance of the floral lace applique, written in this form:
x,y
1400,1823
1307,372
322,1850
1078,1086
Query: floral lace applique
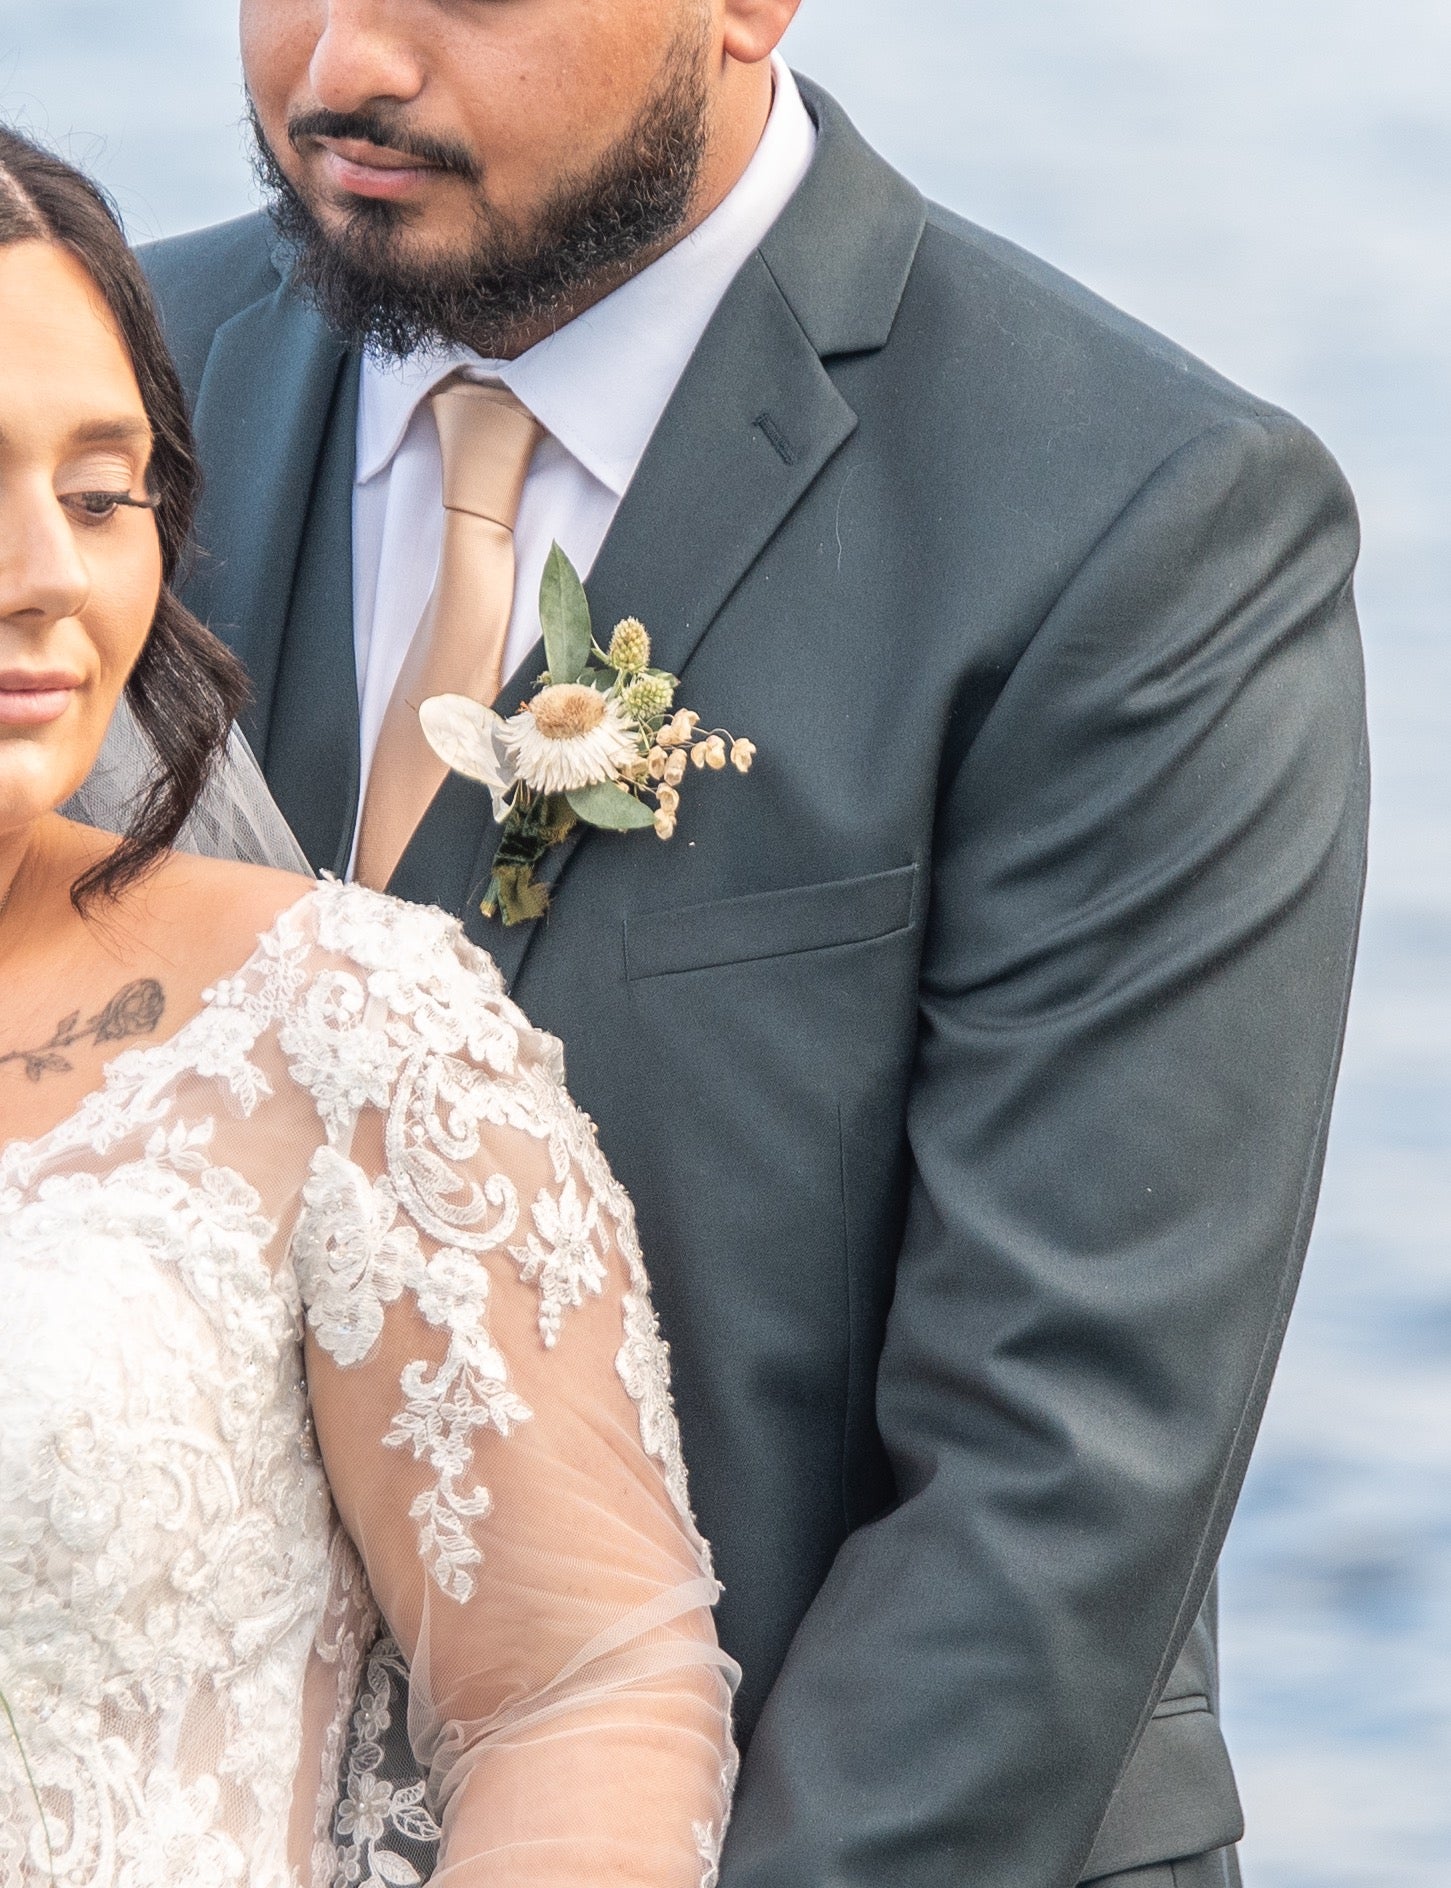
x,y
343,1062
187,1484
462,1068
643,1362
353,1258
564,1257
383,1830
349,1625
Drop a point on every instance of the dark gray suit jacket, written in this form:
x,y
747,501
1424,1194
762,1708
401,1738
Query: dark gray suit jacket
x,y
969,1063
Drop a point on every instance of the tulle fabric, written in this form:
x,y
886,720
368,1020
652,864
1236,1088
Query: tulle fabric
x,y
235,816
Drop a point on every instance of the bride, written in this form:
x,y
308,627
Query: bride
x,y
321,1306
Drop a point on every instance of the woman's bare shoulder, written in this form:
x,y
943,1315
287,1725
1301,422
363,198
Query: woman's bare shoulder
x,y
192,920
214,906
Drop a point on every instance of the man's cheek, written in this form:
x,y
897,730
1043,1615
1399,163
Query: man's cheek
x,y
278,39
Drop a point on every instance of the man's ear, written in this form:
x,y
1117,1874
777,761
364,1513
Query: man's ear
x,y
754,28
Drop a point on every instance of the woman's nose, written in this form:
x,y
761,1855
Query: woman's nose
x,y
43,577
364,55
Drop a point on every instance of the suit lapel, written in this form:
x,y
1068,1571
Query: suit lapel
x,y
261,415
755,420
312,755
750,428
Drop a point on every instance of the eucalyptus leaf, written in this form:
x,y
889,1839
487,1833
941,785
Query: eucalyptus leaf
x,y
615,809
564,617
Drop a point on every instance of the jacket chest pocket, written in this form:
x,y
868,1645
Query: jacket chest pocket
x,y
787,923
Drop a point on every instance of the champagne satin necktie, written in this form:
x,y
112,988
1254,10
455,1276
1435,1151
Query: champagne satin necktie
x,y
488,440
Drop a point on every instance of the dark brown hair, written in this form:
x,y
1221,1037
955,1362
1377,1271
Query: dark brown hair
x,y
186,687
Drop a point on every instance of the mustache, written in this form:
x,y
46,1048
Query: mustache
x,y
384,130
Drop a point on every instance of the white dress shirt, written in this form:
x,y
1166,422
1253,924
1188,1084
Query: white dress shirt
x,y
599,387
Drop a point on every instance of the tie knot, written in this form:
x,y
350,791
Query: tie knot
x,y
488,439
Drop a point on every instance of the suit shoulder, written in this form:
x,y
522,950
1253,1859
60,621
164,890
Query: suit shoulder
x,y
229,263
1081,346
202,279
1030,366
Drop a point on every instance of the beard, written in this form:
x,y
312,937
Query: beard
x,y
513,282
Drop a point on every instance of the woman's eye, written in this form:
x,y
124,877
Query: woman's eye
x,y
97,507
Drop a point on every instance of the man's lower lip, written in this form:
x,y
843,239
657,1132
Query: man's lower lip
x,y
363,180
32,707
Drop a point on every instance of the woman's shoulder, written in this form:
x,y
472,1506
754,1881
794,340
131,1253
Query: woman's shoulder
x,y
212,911
220,915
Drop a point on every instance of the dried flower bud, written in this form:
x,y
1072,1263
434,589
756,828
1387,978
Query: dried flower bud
x,y
697,754
664,826
630,646
669,801
683,727
648,698
715,753
742,754
675,768
657,762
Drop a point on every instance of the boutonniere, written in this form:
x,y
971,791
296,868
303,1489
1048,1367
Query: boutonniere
x,y
600,743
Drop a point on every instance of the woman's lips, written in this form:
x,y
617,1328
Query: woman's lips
x,y
30,701
367,170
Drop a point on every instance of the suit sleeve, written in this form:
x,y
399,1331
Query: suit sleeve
x,y
1146,884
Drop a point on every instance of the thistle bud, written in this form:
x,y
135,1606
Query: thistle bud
x,y
630,647
742,754
648,698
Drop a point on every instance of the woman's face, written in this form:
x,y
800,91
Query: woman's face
x,y
80,571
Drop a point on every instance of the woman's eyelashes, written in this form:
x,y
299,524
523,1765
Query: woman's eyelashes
x,y
99,507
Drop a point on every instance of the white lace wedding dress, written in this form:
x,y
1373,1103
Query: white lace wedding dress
x,y
335,1282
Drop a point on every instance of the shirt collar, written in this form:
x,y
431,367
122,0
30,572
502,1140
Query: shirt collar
x,y
601,383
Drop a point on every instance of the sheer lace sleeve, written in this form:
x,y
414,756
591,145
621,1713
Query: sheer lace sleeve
x,y
491,1401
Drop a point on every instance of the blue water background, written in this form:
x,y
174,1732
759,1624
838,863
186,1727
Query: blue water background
x,y
1270,181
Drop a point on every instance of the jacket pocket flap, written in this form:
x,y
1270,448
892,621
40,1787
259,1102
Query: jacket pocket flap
x,y
769,924
1177,1796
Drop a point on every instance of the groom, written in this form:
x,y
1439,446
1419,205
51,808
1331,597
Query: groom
x,y
970,1062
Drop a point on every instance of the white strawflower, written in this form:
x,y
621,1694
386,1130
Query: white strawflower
x,y
569,736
